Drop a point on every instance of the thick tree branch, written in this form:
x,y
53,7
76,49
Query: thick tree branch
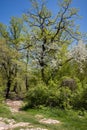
x,y
24,48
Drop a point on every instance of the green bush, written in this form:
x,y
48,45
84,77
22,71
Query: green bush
x,y
82,103
42,95
65,98
53,97
37,96
76,100
79,98
61,97
48,96
84,99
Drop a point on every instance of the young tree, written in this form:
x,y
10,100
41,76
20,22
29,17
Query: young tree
x,y
10,51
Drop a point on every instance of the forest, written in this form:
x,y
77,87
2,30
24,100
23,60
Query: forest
x,y
43,58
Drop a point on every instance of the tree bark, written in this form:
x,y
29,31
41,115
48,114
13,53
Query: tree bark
x,y
15,88
8,88
26,83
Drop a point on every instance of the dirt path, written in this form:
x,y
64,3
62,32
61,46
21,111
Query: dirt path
x,y
14,105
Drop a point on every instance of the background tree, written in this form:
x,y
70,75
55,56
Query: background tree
x,y
12,41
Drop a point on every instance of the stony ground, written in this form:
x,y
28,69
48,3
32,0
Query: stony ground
x,y
11,124
14,106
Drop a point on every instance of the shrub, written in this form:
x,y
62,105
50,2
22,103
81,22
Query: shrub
x,y
84,99
65,98
53,97
79,99
42,95
37,96
82,103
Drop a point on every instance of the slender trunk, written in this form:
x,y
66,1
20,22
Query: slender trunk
x,y
15,88
43,49
42,62
26,83
15,75
26,78
8,88
42,74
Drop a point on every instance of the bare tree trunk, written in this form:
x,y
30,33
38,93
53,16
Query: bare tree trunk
x,y
15,75
15,88
26,78
26,83
8,88
42,74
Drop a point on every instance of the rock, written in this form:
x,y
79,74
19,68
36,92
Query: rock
x,y
11,124
49,121
70,83
20,124
3,126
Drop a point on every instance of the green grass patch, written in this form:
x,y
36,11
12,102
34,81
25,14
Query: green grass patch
x,y
69,119
4,111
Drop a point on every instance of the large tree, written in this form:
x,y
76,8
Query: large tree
x,y
50,32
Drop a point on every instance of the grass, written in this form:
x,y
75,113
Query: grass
x,y
4,111
69,119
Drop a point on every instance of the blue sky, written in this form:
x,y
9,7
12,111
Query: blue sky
x,y
10,8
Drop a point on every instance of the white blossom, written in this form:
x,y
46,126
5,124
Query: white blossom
x,y
79,53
